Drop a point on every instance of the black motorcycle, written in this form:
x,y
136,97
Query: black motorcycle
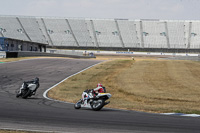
x,y
28,88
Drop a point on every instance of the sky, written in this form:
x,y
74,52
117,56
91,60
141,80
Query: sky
x,y
105,9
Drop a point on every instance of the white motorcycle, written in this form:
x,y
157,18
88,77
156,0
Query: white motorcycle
x,y
95,102
28,88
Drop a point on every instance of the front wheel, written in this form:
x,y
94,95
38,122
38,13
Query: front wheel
x,y
26,93
18,94
98,104
77,105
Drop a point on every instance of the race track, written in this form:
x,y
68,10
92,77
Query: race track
x,y
38,113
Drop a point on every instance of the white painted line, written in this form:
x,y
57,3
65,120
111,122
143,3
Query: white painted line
x,y
45,93
180,114
168,113
191,115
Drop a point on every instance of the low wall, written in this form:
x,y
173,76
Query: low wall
x,y
67,52
130,53
162,50
31,54
2,54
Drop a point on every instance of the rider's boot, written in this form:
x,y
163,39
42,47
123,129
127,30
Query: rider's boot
x,y
18,94
33,93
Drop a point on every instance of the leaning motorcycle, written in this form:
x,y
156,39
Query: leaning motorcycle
x,y
96,103
28,88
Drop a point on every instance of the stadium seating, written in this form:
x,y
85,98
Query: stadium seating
x,y
154,34
59,32
128,33
107,33
112,33
80,31
12,28
92,33
32,29
176,34
43,29
195,35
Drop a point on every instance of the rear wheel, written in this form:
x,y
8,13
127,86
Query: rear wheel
x,y
98,104
26,93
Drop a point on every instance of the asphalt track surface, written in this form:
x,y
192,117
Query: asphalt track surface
x,y
38,113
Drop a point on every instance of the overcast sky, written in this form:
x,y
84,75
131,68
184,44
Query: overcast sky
x,y
125,9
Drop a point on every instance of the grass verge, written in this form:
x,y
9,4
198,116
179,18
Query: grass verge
x,y
142,84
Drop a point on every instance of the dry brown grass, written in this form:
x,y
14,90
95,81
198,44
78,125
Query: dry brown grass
x,y
144,84
162,86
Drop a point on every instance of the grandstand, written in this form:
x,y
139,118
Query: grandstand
x,y
109,34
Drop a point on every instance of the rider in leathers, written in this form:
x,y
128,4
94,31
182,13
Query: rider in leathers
x,y
34,81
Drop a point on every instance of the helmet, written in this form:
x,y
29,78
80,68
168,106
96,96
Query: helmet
x,y
36,79
99,85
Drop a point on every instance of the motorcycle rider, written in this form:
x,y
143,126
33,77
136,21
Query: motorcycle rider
x,y
34,81
99,89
